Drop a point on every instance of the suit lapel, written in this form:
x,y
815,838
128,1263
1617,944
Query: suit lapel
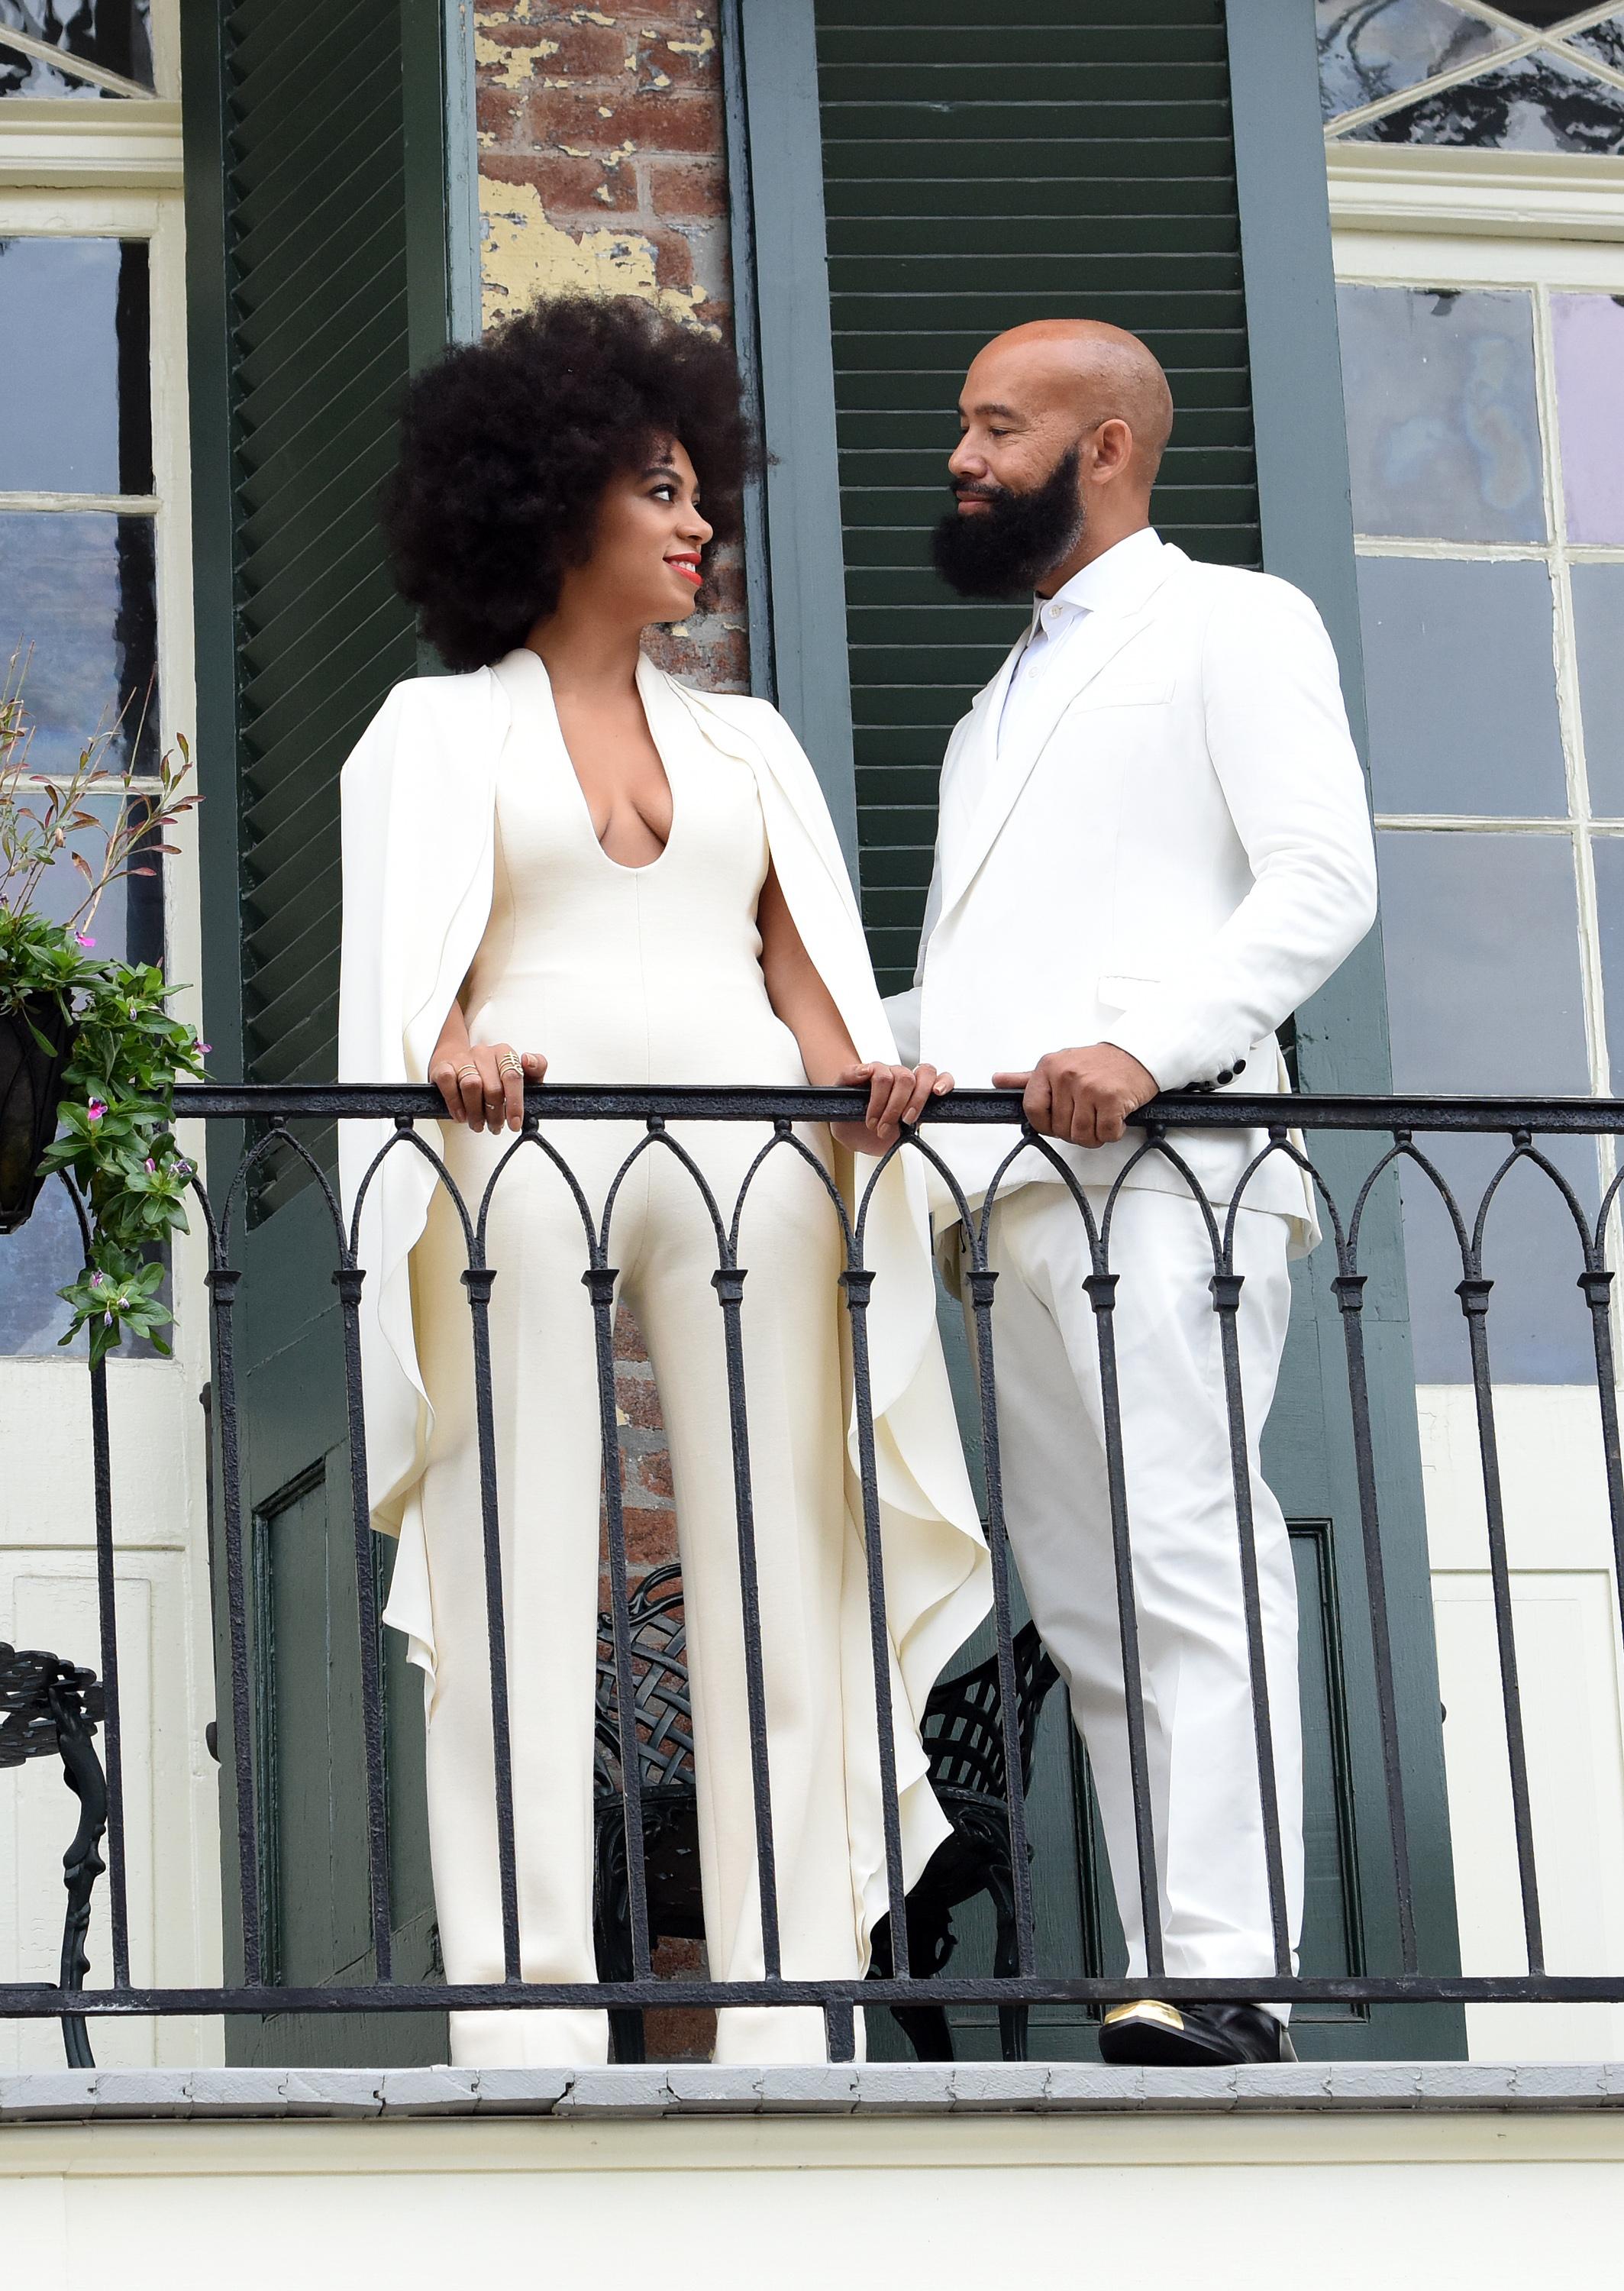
x,y
1097,644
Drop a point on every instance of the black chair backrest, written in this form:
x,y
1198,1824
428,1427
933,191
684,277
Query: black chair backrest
x,y
659,1664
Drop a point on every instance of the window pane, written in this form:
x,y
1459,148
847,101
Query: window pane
x,y
79,588
1538,1323
1461,682
1482,937
1604,42
1484,991
37,1261
1608,851
74,321
116,34
128,925
1443,421
1598,622
1367,53
1537,103
1589,330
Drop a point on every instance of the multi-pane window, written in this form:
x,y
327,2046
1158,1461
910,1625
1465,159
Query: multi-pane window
x,y
75,47
82,517
1487,457
1515,76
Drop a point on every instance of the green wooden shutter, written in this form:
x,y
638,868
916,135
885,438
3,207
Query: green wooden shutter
x,y
314,312
318,249
983,167
330,250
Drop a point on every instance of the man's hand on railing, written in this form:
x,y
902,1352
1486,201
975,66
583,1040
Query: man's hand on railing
x,y
1084,1096
895,1094
486,1086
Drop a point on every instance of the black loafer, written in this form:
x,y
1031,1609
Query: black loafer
x,y
1148,2034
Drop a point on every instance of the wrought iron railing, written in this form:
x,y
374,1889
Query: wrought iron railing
x,y
1357,1140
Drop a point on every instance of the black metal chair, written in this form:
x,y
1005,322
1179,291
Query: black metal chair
x,y
964,1741
963,1736
670,1805
49,1709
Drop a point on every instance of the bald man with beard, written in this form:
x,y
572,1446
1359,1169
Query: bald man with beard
x,y
1153,846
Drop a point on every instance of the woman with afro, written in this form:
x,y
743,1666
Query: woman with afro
x,y
564,866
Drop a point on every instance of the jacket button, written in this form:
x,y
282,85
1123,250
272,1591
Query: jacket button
x,y
1240,1065
1225,1073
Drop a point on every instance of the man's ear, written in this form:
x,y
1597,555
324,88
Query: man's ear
x,y
1113,449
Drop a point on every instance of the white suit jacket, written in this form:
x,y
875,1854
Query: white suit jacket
x,y
1173,860
419,808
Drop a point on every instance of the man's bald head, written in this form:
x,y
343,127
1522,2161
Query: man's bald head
x,y
1064,422
1088,371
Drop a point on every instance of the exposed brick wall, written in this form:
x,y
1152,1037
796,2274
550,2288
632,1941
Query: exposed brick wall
x,y
603,167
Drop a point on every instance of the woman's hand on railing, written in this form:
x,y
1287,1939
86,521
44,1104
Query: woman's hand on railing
x,y
895,1094
486,1086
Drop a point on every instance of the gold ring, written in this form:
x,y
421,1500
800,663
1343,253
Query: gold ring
x,y
509,1064
463,1072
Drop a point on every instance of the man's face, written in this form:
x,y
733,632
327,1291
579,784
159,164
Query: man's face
x,y
1017,509
1016,417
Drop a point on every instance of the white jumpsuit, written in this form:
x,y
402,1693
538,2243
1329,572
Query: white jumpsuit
x,y
642,975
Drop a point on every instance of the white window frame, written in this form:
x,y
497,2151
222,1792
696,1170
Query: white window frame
x,y
88,168
1413,217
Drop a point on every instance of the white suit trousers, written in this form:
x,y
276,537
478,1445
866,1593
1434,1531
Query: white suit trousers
x,y
1200,1747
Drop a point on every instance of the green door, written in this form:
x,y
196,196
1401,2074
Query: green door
x,y
976,167
317,229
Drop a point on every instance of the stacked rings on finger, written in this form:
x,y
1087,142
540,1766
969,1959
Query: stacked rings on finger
x,y
509,1065
464,1072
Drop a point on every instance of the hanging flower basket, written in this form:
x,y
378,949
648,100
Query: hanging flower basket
x,y
30,1093
89,1053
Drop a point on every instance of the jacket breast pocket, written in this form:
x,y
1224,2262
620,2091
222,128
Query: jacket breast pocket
x,y
1144,692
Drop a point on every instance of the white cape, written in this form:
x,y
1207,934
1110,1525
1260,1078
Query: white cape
x,y
419,800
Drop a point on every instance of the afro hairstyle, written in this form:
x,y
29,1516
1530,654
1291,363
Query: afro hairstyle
x,y
508,444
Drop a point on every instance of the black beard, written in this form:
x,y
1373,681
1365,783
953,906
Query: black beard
x,y
1005,550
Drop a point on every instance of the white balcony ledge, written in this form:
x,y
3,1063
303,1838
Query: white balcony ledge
x,y
102,2095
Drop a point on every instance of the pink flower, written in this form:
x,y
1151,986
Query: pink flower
x,y
204,1048
96,1109
84,938
151,1166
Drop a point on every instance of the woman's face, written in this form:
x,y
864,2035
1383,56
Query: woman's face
x,y
644,563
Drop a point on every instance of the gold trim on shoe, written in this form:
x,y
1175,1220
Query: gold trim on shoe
x,y
1146,2008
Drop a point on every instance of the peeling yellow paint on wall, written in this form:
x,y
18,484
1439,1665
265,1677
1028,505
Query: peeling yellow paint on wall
x,y
524,254
514,66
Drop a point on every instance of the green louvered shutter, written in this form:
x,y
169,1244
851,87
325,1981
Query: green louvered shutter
x,y
984,165
319,153
319,256
321,318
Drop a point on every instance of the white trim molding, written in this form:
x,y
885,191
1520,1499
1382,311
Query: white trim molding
x,y
60,144
1498,194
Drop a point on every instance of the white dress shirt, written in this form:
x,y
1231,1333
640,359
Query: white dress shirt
x,y
1116,573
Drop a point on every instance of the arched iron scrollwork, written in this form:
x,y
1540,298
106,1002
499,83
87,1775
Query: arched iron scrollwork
x,y
644,1734
50,1707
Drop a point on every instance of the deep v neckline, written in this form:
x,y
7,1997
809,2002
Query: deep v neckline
x,y
543,685
622,867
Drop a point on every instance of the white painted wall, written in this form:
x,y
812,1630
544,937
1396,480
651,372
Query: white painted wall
x,y
1459,2203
